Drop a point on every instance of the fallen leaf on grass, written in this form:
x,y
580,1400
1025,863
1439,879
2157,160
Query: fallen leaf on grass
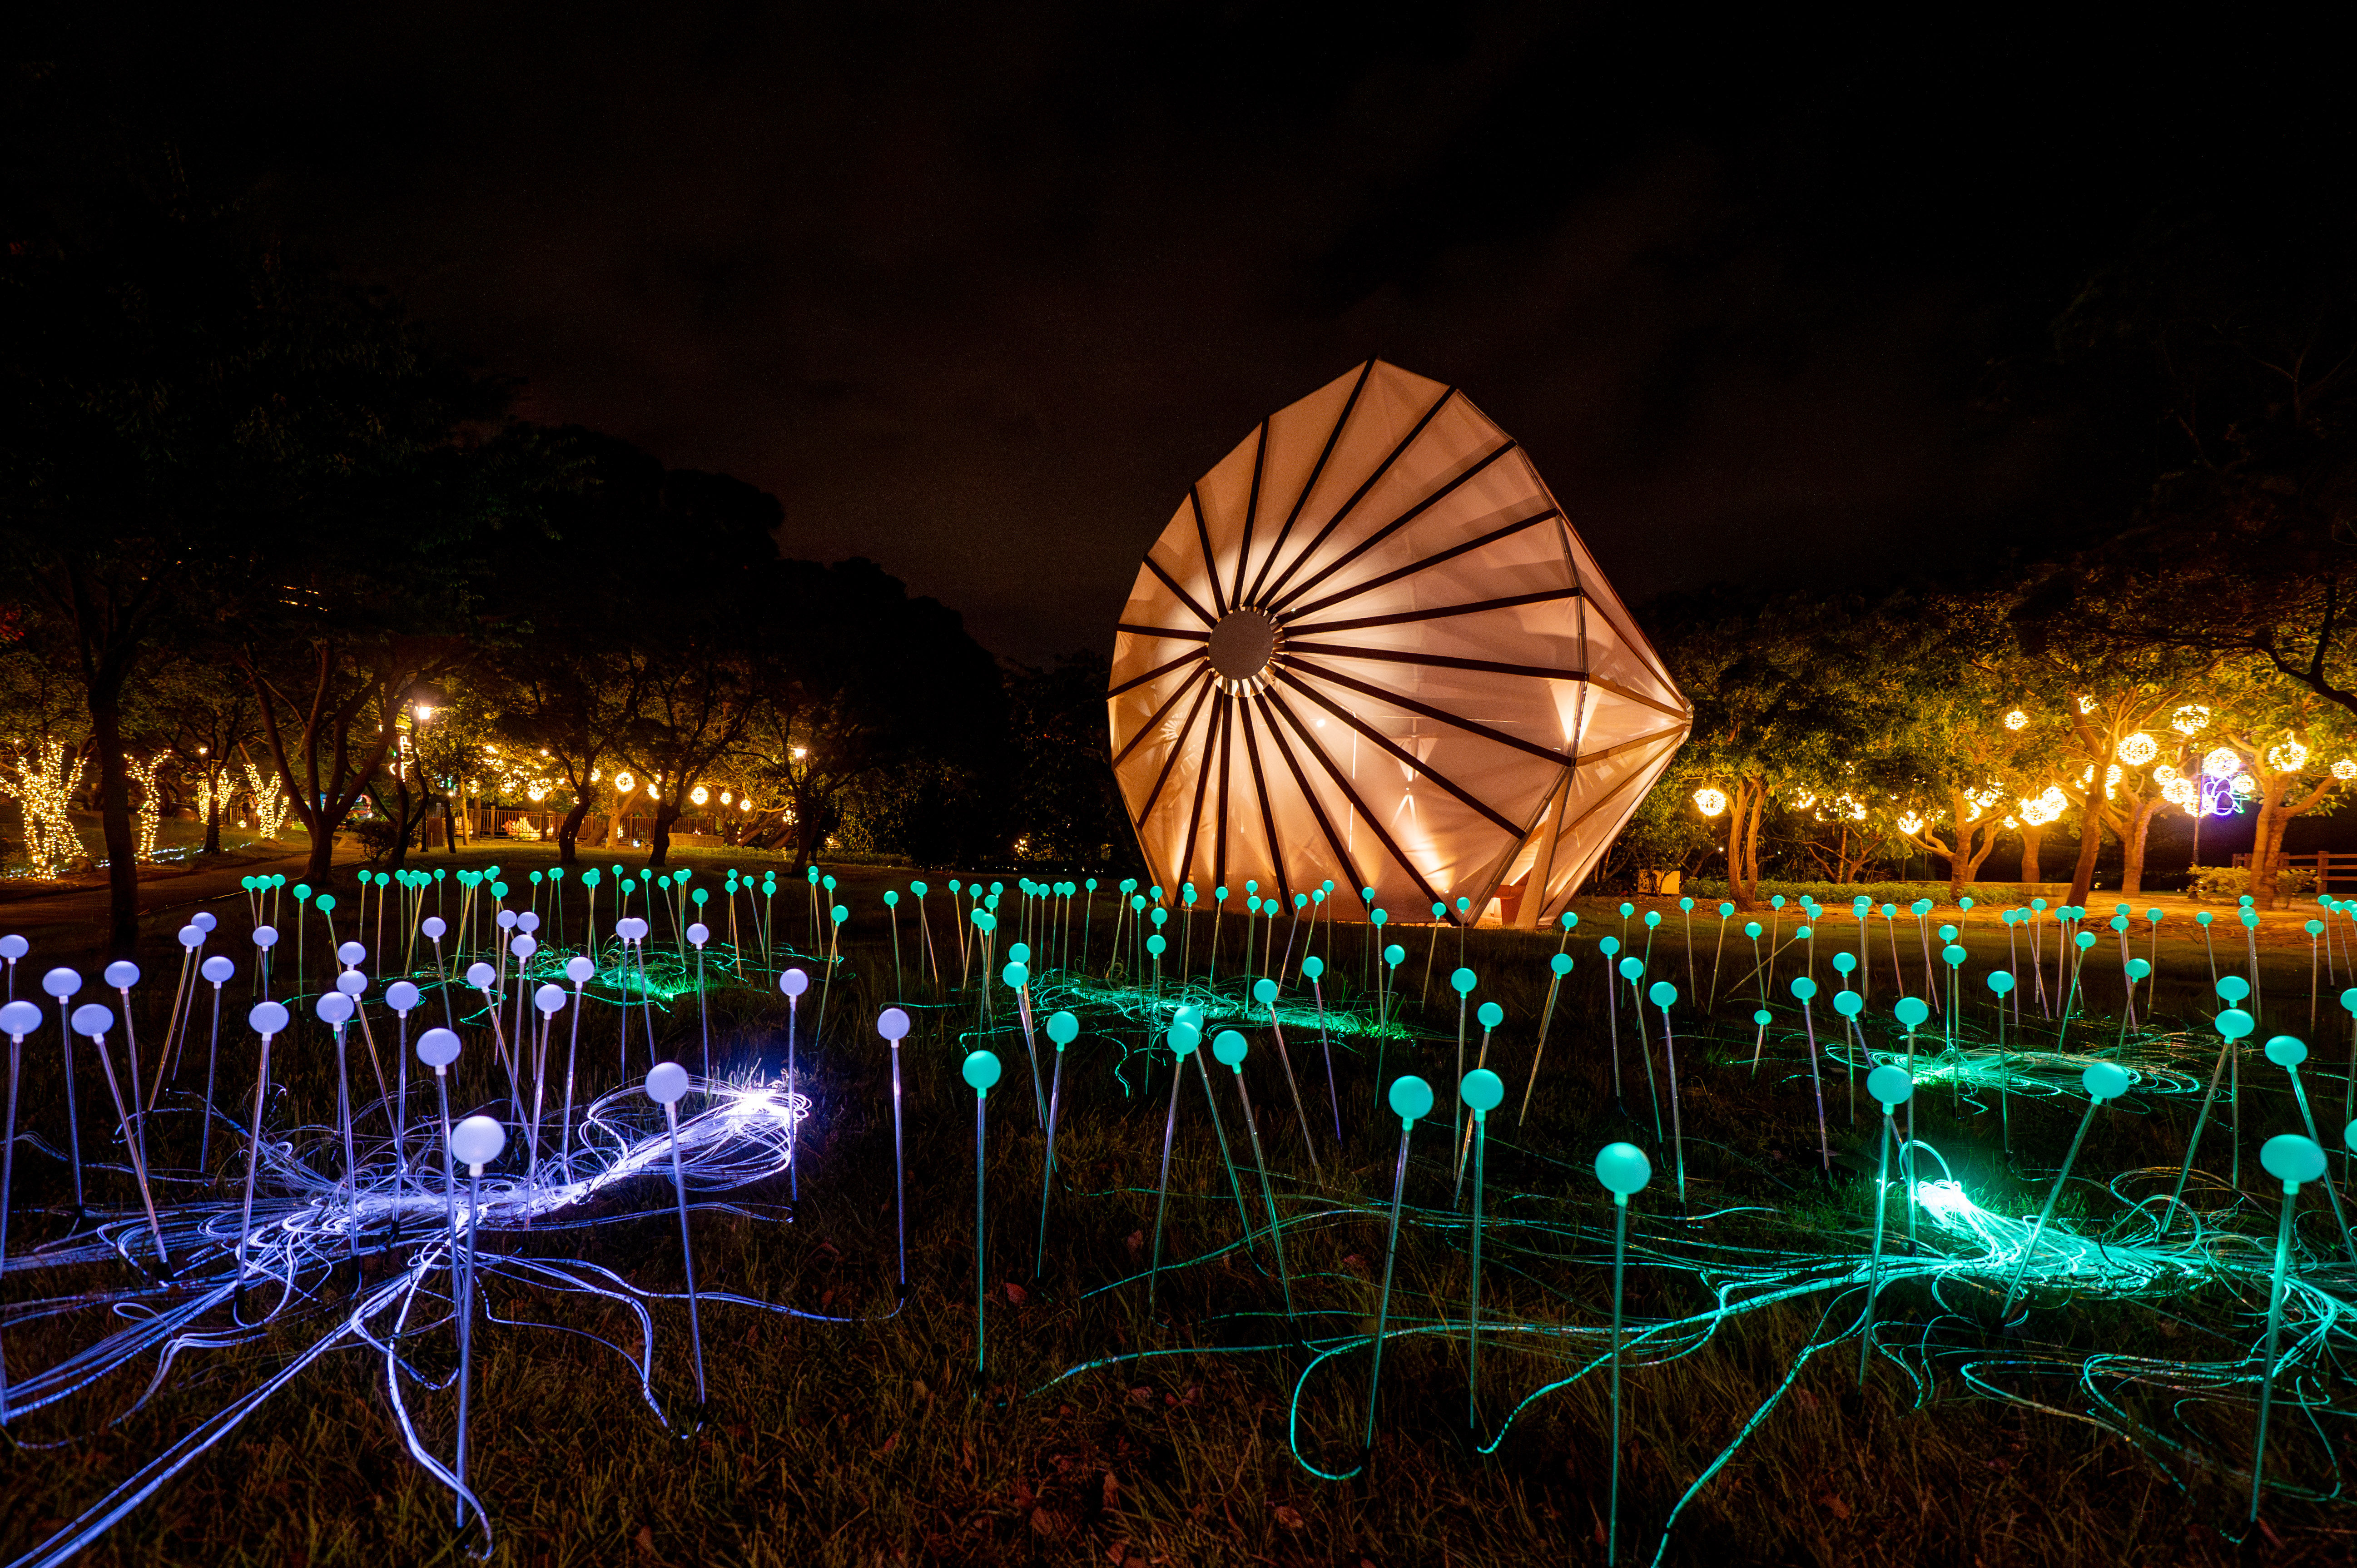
x,y
647,1540
1141,1396
1289,1517
1049,1522
1015,1293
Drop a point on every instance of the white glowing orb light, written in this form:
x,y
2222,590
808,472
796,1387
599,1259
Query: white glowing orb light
x,y
2086,704
2345,769
654,791
2288,758
2045,808
727,799
2180,792
1709,801
699,794
2138,749
2190,719
624,783
2245,784
2165,775
1911,824
2016,719
745,804
2223,763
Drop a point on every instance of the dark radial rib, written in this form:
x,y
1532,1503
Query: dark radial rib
x,y
1434,661
1601,802
1410,705
1167,703
1438,612
1374,823
1251,515
1618,689
1268,817
1495,534
1378,535
1176,746
1172,632
1185,597
1203,541
1202,781
1156,674
1332,436
1651,738
1300,781
1219,827
1360,494
1392,750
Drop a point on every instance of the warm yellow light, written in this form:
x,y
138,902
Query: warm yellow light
x,y
422,713
2046,807
624,783
2086,704
2180,792
655,792
2288,758
2190,719
2138,749
727,799
1710,801
2016,719
596,774
1911,824
2165,775
2345,769
746,804
2245,784
699,794
2223,763
800,752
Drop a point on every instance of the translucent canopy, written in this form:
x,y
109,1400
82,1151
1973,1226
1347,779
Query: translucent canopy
x,y
1370,648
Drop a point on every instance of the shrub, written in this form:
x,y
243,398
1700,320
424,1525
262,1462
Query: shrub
x,y
2226,884
1832,895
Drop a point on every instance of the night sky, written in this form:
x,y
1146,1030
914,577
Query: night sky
x,y
978,291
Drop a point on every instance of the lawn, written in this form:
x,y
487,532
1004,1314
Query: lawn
x,y
846,1424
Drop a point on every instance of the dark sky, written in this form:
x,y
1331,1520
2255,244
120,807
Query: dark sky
x,y
976,292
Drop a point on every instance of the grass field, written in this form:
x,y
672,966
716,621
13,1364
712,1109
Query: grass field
x,y
1103,1432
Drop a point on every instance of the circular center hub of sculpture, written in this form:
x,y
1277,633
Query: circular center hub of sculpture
x,y
1243,643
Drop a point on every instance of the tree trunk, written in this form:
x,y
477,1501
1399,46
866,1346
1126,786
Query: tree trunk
x,y
404,824
2032,840
322,858
449,827
114,818
569,831
2091,845
2132,850
2267,839
666,813
212,820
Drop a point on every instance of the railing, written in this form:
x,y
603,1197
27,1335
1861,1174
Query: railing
x,y
2334,870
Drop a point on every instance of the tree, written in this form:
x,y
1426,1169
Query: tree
x,y
2294,750
1792,698
1068,806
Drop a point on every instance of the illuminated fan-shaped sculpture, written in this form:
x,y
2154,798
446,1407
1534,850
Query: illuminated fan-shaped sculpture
x,y
1369,648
